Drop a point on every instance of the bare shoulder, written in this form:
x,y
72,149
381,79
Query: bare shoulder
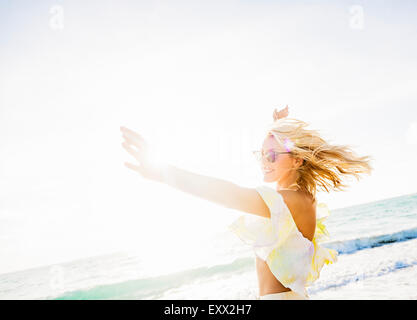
x,y
301,206
303,211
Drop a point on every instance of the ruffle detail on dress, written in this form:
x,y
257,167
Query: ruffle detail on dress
x,y
293,259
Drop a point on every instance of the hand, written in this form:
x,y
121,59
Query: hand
x,y
280,114
139,149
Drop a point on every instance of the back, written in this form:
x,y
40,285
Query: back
x,y
303,211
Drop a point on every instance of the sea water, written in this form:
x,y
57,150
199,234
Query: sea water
x,y
376,242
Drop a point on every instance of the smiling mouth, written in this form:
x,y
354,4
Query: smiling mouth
x,y
267,171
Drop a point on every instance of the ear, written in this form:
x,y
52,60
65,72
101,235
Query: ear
x,y
298,162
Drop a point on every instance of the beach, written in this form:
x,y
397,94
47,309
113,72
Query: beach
x,y
377,259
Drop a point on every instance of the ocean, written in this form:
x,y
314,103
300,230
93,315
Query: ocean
x,y
376,242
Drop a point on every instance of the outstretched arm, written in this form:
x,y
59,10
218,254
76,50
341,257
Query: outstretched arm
x,y
222,192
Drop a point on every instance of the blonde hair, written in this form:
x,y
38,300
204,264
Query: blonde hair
x,y
325,166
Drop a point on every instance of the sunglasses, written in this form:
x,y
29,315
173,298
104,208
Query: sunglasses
x,y
270,155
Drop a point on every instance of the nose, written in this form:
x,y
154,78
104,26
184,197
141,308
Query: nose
x,y
265,163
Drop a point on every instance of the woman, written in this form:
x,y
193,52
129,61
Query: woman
x,y
285,225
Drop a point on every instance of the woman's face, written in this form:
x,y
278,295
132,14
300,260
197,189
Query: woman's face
x,y
283,165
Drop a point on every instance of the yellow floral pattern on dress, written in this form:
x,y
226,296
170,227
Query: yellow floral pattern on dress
x,y
293,259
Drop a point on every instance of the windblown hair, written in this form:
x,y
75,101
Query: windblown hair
x,y
325,166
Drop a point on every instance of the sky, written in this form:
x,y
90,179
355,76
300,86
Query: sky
x,y
199,80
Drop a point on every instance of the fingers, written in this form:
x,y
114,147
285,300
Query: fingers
x,y
133,136
280,114
136,146
127,130
131,151
133,166
131,142
131,133
284,110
